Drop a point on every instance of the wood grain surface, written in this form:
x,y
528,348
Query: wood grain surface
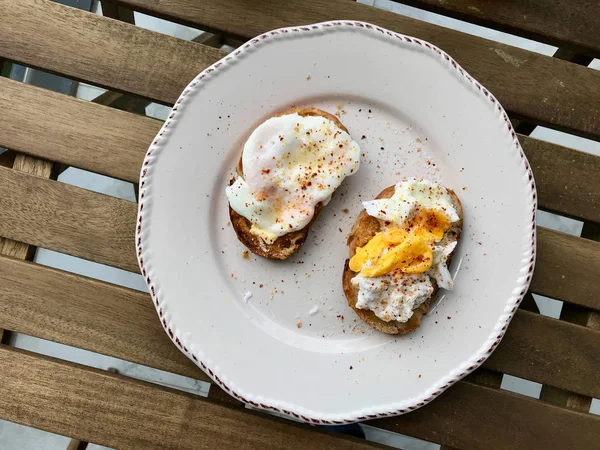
x,y
89,314
563,23
567,180
120,322
67,219
52,395
120,412
81,134
529,85
550,352
96,138
102,51
567,268
16,249
471,416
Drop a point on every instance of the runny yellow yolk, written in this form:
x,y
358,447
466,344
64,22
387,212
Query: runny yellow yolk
x,y
408,249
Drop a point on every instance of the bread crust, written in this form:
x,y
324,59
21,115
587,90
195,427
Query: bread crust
x,y
364,229
284,246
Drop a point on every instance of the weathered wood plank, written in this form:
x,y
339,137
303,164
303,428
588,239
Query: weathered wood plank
x,y
120,322
89,314
58,396
67,219
102,51
558,22
477,417
567,180
543,89
52,395
74,132
567,268
549,351
583,317
15,249
92,137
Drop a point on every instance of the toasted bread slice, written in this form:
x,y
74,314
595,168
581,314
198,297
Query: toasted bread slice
x,y
288,244
364,229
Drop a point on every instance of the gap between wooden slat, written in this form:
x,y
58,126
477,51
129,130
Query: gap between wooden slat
x,y
76,444
116,12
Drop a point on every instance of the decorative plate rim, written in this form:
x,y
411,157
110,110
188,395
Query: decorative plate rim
x,y
144,254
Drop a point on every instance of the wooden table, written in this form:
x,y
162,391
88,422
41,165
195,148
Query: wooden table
x,y
47,131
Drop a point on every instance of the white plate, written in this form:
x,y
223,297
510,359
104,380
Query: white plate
x,y
396,91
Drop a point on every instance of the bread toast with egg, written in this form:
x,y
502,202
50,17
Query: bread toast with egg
x,y
364,229
288,244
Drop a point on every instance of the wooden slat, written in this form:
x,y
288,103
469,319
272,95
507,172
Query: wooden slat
x,y
567,180
51,395
15,249
73,132
47,394
550,351
85,135
67,219
558,22
44,34
116,411
469,416
482,377
120,322
586,318
567,268
81,223
543,89
89,314
102,51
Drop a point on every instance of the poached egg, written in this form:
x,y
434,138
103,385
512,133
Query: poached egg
x,y
396,266
290,164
